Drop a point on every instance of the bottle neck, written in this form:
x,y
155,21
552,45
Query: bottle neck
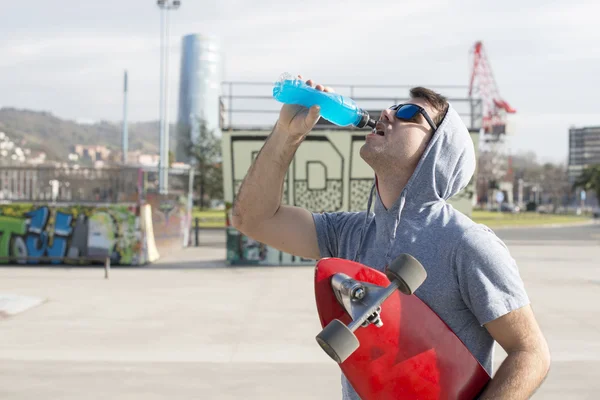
x,y
364,120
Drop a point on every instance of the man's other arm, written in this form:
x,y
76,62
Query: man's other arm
x,y
528,361
494,291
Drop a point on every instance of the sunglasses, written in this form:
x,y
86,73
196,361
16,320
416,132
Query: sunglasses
x,y
409,112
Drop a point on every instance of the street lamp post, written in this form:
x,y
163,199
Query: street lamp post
x,y
163,163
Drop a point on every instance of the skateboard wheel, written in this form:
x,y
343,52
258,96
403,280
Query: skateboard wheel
x,y
338,341
408,272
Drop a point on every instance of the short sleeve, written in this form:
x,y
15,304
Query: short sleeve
x,y
329,226
488,276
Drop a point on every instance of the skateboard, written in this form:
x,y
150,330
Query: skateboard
x,y
388,343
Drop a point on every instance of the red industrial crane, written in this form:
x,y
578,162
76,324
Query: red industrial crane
x,y
483,85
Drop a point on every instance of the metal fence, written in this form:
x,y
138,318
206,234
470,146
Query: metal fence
x,y
67,184
85,184
251,106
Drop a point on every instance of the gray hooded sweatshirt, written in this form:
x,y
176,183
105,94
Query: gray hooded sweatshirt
x,y
471,277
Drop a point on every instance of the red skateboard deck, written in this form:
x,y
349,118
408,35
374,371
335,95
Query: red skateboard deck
x,y
414,355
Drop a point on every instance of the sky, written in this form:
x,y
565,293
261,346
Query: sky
x,y
68,57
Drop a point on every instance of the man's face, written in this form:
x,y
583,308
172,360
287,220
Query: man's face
x,y
397,144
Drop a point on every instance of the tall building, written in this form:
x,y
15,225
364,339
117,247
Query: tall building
x,y
199,90
584,149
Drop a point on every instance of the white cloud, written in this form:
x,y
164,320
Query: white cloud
x,y
72,47
70,59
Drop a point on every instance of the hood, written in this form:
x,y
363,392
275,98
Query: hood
x,y
445,168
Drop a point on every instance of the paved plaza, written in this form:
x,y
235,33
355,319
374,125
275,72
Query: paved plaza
x,y
191,328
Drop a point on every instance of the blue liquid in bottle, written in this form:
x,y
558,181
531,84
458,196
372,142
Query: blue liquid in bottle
x,y
335,108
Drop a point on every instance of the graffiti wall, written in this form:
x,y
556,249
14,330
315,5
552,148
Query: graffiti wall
x,y
71,232
326,174
242,250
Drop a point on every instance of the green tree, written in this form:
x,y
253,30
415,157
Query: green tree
x,y
589,180
205,154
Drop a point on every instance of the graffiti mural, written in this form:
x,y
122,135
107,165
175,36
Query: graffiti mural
x,y
66,233
326,174
315,181
12,231
361,177
242,250
318,181
247,148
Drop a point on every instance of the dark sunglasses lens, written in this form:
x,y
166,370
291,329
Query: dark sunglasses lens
x,y
406,112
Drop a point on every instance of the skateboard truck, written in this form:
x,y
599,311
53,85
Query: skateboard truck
x,y
362,301
355,297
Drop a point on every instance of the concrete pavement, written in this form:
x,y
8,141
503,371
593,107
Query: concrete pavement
x,y
158,334
188,328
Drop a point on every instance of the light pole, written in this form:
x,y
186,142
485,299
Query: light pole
x,y
163,163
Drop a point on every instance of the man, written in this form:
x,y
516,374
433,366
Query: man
x,y
422,155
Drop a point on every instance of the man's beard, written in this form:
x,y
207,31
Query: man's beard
x,y
377,158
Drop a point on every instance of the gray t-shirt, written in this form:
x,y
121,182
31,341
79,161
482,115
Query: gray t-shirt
x,y
471,277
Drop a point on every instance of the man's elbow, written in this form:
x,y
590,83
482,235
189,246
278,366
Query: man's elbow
x,y
237,221
242,222
545,359
237,218
246,220
540,360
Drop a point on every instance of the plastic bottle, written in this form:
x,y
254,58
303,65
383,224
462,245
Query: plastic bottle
x,y
335,108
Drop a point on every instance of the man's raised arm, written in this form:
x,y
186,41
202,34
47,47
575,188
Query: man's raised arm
x,y
257,209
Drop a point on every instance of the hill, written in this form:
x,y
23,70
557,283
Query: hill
x,y
42,131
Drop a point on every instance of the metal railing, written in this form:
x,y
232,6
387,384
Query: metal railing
x,y
250,105
70,184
